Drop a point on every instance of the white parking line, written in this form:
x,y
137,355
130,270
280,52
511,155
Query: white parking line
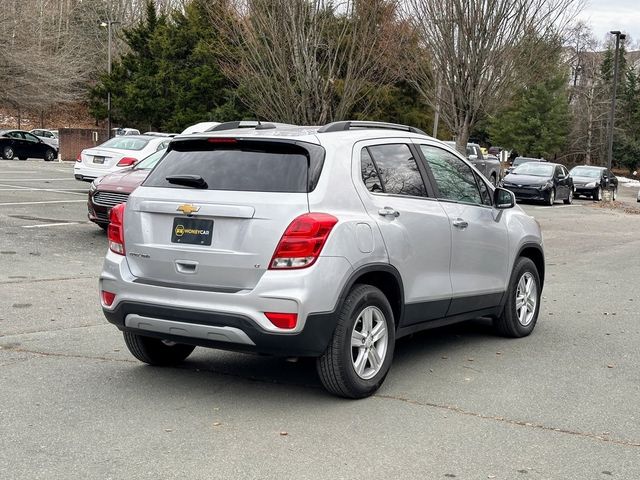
x,y
40,203
50,224
22,189
558,206
33,189
38,179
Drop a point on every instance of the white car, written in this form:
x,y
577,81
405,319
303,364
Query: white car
x,y
119,131
199,127
50,137
116,154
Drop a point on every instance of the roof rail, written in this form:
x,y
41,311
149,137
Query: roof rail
x,y
348,125
242,124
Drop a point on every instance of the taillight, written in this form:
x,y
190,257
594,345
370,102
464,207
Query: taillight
x,y
115,232
302,241
282,320
79,157
107,298
126,162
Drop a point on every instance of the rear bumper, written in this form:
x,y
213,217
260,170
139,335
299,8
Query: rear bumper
x,y
86,173
222,330
232,321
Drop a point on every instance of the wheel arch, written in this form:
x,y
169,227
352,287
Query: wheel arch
x,y
534,252
384,277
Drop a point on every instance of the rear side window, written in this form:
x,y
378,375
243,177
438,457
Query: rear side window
x,y
391,169
244,165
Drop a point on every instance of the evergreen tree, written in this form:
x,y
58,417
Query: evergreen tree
x,y
536,123
170,77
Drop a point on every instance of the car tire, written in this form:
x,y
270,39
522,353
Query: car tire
x,y
49,155
8,153
614,194
155,351
597,194
22,158
521,309
552,197
104,226
569,199
356,370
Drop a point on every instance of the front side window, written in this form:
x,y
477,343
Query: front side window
x,y
455,179
30,137
485,193
395,168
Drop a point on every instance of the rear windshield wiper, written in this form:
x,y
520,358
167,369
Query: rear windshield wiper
x,y
195,181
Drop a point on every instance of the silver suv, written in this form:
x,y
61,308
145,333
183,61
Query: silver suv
x,y
328,242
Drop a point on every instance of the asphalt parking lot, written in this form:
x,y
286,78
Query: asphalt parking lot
x,y
458,402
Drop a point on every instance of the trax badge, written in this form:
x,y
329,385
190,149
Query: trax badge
x,y
188,209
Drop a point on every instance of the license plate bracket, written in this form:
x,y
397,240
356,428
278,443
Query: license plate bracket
x,y
98,160
192,231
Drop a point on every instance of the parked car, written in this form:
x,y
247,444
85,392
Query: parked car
x,y
109,190
489,167
116,154
199,127
50,137
540,181
160,134
21,144
592,181
121,132
272,241
520,160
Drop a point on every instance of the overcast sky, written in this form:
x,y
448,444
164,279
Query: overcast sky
x,y
607,15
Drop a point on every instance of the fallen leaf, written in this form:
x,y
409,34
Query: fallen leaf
x,y
610,366
168,429
216,424
284,434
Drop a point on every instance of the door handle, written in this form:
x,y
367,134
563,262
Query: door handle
x,y
388,212
460,223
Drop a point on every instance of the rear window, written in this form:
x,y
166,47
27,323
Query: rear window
x,y
125,143
245,165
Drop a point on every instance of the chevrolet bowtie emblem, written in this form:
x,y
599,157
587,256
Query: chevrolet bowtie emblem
x,y
188,209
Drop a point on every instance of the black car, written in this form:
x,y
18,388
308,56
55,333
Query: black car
x,y
520,160
540,181
592,181
17,143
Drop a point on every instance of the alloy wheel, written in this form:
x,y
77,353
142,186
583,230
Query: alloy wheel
x,y
369,342
526,299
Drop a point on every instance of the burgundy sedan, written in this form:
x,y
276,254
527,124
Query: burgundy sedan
x,y
108,191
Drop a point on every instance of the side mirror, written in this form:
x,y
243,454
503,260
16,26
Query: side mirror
x,y
473,157
503,198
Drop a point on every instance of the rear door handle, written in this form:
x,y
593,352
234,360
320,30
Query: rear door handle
x,y
388,212
460,223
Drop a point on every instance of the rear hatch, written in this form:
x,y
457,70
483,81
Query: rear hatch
x,y
220,231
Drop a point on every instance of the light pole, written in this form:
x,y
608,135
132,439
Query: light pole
x,y
619,36
108,24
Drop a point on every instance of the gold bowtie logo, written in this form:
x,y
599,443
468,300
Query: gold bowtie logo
x,y
188,209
